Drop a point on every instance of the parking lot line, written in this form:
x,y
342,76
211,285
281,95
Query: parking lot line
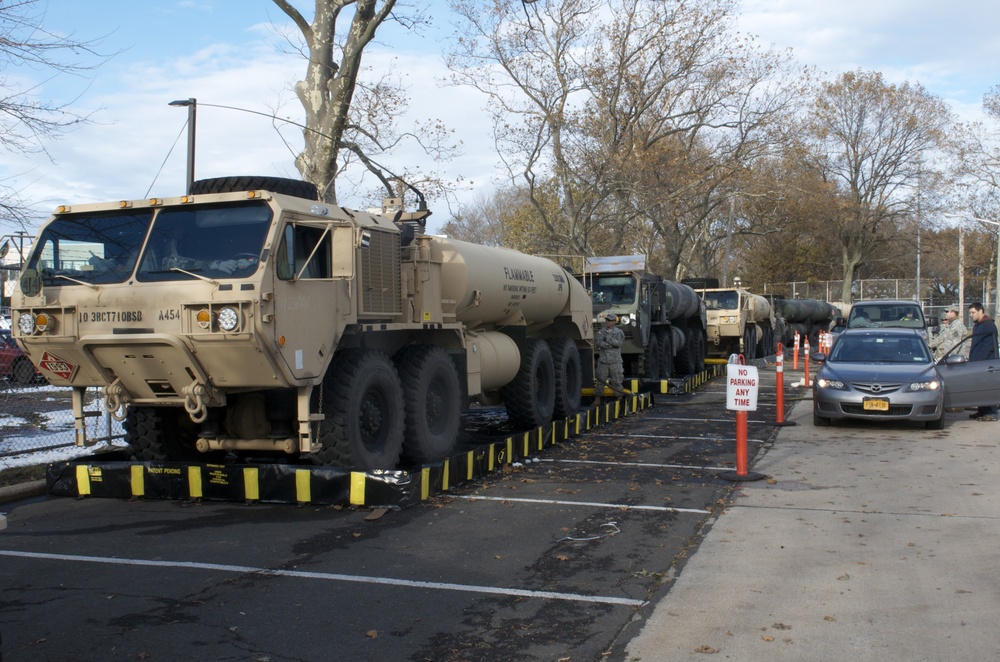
x,y
651,465
361,579
592,504
670,436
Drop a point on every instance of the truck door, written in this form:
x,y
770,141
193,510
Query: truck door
x,y
314,266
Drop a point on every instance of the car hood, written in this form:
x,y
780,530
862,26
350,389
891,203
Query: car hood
x,y
879,372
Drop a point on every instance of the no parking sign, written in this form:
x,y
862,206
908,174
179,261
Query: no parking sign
x,y
741,387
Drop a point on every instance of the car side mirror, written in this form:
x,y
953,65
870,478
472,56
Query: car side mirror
x,y
955,359
819,357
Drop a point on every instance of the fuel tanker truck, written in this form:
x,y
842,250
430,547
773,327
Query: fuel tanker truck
x,y
663,321
247,317
807,316
739,322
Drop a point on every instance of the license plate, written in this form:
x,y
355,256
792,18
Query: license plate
x,y
876,405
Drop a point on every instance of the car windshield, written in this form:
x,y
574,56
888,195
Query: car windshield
x,y
879,349
905,316
614,289
725,300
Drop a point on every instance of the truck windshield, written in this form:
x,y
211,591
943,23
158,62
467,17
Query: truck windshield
x,y
93,248
614,289
725,300
216,241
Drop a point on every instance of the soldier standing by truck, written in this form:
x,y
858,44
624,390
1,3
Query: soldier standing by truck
x,y
609,342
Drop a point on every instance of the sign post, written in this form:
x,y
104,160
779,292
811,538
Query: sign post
x,y
742,385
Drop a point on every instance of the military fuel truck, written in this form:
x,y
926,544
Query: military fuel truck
x,y
807,316
247,317
663,321
739,322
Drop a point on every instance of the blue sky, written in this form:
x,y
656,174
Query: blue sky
x,y
224,52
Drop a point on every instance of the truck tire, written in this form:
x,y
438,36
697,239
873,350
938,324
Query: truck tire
x,y
157,434
686,363
22,372
282,185
531,396
700,353
432,402
749,343
363,403
568,375
651,358
666,354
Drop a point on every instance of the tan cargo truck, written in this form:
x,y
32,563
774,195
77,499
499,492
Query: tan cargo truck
x,y
247,317
739,322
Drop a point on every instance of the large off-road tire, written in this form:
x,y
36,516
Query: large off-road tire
x,y
749,343
362,401
651,358
22,372
282,185
531,396
686,360
568,376
666,354
157,434
700,351
432,400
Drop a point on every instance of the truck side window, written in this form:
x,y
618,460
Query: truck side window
x,y
298,243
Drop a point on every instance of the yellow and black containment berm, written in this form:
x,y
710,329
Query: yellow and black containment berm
x,y
103,476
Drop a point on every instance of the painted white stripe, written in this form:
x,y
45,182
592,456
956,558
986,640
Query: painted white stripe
x,y
619,506
360,579
701,420
639,464
668,436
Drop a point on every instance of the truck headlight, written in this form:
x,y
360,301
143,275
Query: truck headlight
x,y
26,324
229,319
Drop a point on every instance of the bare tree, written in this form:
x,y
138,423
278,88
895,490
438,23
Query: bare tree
x,y
27,121
871,140
352,117
629,112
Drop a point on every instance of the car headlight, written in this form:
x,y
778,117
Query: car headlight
x,y
932,385
831,383
26,324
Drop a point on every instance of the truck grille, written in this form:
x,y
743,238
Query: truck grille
x,y
380,288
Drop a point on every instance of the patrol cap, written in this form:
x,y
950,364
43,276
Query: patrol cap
x,y
612,317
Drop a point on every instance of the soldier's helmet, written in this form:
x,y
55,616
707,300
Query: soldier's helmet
x,y
611,317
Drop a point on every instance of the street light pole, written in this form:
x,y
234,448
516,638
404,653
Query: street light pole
x,y
192,106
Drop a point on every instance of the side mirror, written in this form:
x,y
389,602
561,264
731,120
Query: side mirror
x,y
955,359
819,357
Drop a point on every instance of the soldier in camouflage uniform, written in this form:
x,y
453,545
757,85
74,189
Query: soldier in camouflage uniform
x,y
952,332
609,358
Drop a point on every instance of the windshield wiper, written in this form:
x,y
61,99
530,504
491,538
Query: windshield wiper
x,y
78,282
194,275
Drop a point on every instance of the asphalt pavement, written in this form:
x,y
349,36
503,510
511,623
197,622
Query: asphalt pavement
x,y
857,547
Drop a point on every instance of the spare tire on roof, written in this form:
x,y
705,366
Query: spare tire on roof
x,y
283,185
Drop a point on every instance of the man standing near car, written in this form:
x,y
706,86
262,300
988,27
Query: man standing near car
x,y
952,332
983,348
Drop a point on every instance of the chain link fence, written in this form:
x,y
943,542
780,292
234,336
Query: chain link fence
x,y
37,419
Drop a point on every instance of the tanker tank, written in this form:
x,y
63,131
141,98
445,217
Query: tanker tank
x,y
758,307
492,285
682,301
806,310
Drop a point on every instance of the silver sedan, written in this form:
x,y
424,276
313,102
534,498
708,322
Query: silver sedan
x,y
890,374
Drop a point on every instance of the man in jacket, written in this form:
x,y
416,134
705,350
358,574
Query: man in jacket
x,y
983,348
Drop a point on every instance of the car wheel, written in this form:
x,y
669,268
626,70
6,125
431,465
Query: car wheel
x,y
820,421
936,424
